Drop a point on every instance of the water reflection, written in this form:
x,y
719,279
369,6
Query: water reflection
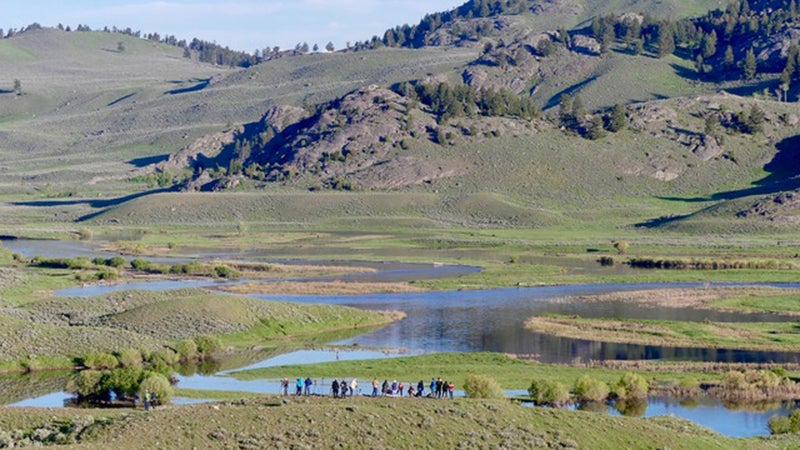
x,y
493,320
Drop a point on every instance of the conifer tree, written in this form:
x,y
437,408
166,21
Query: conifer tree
x,y
750,66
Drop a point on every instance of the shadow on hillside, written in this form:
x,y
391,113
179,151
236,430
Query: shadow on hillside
x,y
685,72
92,202
146,161
121,99
660,221
556,99
203,83
784,175
750,89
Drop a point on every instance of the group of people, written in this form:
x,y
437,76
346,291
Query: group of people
x,y
342,389
438,389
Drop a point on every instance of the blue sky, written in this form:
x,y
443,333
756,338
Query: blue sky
x,y
240,24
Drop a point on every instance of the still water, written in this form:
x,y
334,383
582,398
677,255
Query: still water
x,y
465,321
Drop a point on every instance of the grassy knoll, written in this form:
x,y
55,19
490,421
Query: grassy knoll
x,y
370,423
55,330
510,373
783,336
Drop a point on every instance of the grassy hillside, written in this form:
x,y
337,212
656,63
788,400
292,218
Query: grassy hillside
x,y
374,423
53,330
107,112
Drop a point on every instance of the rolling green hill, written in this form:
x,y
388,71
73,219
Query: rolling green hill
x,y
88,138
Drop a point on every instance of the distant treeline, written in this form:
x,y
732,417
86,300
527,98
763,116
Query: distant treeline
x,y
204,51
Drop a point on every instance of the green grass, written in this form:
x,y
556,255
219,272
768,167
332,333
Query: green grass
x,y
215,395
781,336
511,374
774,302
143,319
371,423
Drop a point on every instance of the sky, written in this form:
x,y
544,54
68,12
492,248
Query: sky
x,y
240,24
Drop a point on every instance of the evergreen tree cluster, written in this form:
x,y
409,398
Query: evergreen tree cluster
x,y
417,36
716,40
452,101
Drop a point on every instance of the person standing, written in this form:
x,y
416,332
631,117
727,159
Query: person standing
x,y
375,386
353,387
450,388
299,386
342,388
401,387
335,388
308,384
420,388
439,387
285,386
433,387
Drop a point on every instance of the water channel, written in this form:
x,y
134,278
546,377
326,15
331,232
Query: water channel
x,y
484,320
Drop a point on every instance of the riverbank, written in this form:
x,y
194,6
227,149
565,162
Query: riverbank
x,y
372,423
773,336
767,299
319,288
52,331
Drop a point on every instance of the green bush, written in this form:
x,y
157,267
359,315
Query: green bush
x,y
223,271
108,273
165,355
130,357
548,393
482,386
158,384
186,349
86,384
140,264
588,389
123,381
207,344
117,262
80,263
100,360
783,425
632,386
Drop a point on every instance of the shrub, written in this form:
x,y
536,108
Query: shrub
x,y
186,349
782,425
140,264
80,263
123,381
621,247
482,386
130,357
548,392
588,389
108,273
223,271
86,384
100,360
632,386
207,344
85,234
159,385
116,262
166,356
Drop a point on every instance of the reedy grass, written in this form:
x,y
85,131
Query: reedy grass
x,y
778,336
